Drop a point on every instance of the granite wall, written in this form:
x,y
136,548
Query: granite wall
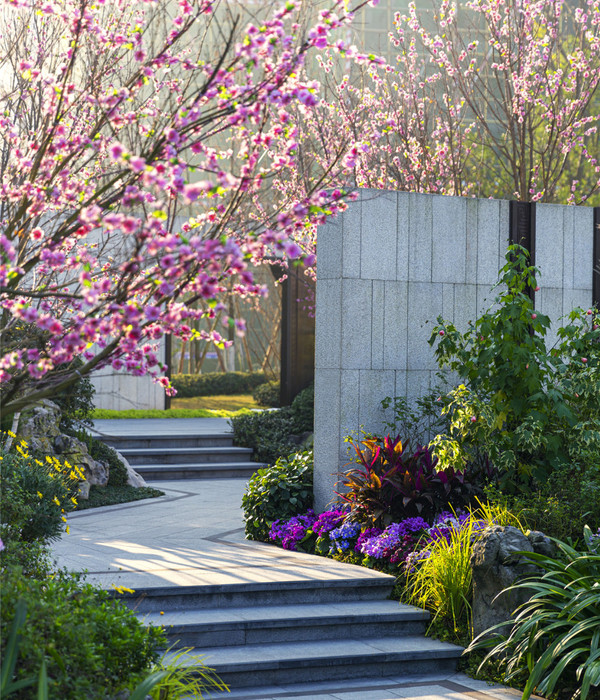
x,y
387,268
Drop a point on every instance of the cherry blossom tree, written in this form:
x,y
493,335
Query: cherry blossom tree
x,y
486,97
143,149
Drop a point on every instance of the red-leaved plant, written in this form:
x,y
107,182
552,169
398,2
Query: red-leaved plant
x,y
391,483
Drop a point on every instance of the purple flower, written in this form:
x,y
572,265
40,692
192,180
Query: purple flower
x,y
396,541
328,520
366,535
291,532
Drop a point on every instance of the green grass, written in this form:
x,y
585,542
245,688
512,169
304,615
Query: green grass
x,y
111,495
221,402
105,413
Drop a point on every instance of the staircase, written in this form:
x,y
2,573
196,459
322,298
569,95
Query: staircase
x,y
261,634
163,457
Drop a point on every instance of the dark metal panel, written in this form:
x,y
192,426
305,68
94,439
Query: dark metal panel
x,y
297,332
168,360
596,254
522,229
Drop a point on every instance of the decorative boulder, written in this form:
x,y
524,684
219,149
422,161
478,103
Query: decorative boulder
x,y
76,452
496,565
133,478
40,427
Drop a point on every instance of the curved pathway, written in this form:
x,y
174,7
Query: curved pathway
x,y
193,536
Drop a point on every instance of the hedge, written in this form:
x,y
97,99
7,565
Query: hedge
x,y
216,383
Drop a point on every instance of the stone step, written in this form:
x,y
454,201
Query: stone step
x,y
288,623
371,586
185,455
168,441
208,470
309,661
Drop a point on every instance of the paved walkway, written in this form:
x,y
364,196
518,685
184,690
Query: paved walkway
x,y
194,535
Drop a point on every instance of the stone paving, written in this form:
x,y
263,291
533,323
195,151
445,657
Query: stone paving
x,y
193,535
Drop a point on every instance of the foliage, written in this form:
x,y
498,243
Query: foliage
x,y
184,675
77,403
109,414
439,575
174,128
303,410
562,505
111,495
11,652
277,492
556,634
100,451
216,383
35,494
31,557
267,433
531,410
91,644
422,418
268,394
392,483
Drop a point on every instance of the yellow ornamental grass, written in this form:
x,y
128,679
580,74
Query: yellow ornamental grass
x,y
441,580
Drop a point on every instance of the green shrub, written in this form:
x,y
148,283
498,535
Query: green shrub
x,y
532,410
100,451
556,634
216,383
278,492
92,645
268,394
267,433
561,506
76,403
32,558
422,417
303,410
35,494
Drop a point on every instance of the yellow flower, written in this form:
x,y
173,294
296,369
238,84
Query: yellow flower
x,y
37,461
11,434
55,499
74,500
63,519
49,459
67,529
40,495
